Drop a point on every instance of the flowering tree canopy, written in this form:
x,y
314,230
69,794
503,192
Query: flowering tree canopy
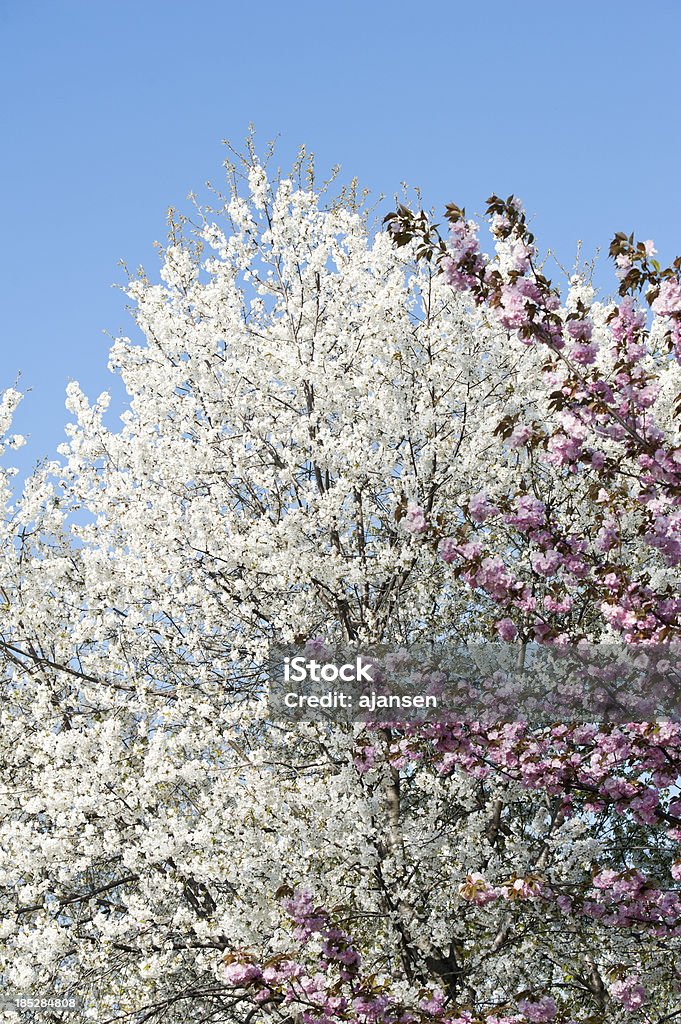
x,y
330,435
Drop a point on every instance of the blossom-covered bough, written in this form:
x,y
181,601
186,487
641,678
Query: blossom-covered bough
x,y
329,435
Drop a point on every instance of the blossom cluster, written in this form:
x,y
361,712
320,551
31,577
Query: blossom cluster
x,y
605,427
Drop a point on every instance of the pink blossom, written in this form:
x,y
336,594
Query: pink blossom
x,y
465,260
629,992
415,521
526,602
241,974
480,507
316,647
523,888
476,889
506,629
499,225
521,254
520,436
627,322
493,577
564,449
668,302
644,806
608,535
585,355
617,615
514,298
471,549
365,758
435,1003
580,330
538,1011
530,512
546,563
448,549
623,264
308,920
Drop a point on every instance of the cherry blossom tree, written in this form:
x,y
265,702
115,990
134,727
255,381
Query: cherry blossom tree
x,y
331,436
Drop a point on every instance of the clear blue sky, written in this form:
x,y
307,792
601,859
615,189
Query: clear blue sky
x,y
112,111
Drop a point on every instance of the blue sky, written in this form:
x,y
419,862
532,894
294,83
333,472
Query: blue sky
x,y
111,112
